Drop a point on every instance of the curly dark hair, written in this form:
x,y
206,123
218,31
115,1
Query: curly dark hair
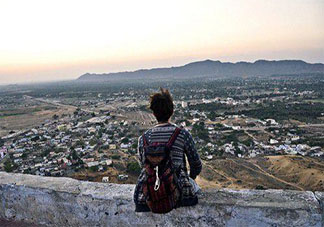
x,y
161,103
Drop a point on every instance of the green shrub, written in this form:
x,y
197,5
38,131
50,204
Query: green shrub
x,y
134,168
115,156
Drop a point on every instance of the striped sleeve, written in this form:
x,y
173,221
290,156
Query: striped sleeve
x,y
140,152
192,155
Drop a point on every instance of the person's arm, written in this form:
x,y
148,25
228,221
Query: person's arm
x,y
140,150
192,155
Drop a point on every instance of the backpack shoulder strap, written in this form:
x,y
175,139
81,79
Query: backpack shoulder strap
x,y
173,137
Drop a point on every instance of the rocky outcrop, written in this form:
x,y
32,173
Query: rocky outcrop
x,y
68,202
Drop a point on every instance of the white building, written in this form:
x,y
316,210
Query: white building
x,y
106,162
105,179
125,145
273,141
3,152
271,121
209,157
295,138
184,104
90,164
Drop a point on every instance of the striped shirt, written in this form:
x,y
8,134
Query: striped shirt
x,y
183,146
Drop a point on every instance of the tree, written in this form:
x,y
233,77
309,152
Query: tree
x,y
115,156
27,171
187,122
24,155
134,168
8,167
134,145
80,142
212,116
93,142
45,152
74,155
94,168
125,140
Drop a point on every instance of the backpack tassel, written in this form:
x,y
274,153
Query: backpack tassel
x,y
157,181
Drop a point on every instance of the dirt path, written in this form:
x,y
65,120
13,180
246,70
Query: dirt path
x,y
249,134
317,163
221,174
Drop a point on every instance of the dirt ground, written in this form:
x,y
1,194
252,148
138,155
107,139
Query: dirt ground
x,y
275,172
28,120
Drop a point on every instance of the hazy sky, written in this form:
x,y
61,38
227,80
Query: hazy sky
x,y
62,39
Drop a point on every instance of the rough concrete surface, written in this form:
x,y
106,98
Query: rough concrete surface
x,y
54,201
12,223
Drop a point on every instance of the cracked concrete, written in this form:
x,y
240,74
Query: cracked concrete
x,y
67,202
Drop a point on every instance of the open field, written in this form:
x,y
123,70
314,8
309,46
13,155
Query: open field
x,y
276,172
23,119
144,119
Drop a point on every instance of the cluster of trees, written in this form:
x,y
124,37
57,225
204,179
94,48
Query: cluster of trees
x,y
280,111
313,141
199,130
211,107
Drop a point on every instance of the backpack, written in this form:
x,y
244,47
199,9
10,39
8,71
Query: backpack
x,y
161,188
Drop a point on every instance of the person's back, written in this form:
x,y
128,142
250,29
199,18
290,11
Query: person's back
x,y
183,145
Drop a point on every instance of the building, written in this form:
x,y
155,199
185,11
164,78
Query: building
x,y
273,141
105,179
3,152
184,104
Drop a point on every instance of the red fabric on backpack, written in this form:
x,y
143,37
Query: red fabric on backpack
x,y
161,187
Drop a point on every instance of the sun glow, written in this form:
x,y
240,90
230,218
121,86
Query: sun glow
x,y
46,40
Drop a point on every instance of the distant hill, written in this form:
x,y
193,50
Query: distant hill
x,y
209,68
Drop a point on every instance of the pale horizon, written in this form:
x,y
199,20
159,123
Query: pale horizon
x,y
61,40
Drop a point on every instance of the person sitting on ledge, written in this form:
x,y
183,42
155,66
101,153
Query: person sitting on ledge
x,y
164,182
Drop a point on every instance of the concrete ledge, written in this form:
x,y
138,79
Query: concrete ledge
x,y
68,202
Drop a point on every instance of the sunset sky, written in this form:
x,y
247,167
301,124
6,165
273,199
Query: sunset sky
x,y
58,40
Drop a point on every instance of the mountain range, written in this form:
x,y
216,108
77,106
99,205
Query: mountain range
x,y
218,69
